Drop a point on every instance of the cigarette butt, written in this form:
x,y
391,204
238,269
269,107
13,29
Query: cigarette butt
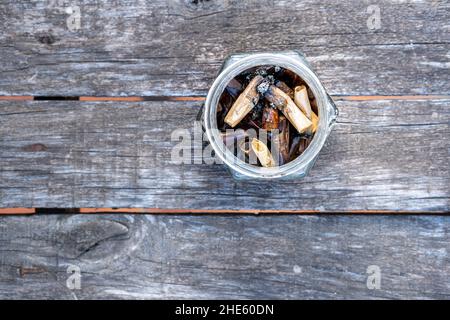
x,y
301,99
288,107
315,122
263,153
270,118
244,103
281,141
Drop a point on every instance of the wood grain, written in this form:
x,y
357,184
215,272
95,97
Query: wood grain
x,y
224,257
175,47
381,155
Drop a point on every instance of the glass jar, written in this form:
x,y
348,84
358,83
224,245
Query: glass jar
x,y
296,62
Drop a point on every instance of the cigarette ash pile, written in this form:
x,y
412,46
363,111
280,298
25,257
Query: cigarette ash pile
x,y
269,114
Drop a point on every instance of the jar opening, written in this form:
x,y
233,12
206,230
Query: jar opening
x,y
240,68
262,97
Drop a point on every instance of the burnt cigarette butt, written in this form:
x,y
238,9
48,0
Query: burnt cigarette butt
x,y
288,107
244,103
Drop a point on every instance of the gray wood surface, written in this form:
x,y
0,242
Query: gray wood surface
x,y
174,47
278,257
381,155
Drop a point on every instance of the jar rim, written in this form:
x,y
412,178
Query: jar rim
x,y
284,60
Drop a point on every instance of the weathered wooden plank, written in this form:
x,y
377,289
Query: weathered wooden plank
x,y
175,47
381,155
213,257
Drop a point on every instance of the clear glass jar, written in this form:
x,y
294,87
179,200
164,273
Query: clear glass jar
x,y
296,62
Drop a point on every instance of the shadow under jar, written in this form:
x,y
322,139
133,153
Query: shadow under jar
x,y
256,121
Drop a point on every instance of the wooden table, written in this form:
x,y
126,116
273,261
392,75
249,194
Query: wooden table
x,y
91,91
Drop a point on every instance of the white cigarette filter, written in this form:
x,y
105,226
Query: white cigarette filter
x,y
301,99
263,153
